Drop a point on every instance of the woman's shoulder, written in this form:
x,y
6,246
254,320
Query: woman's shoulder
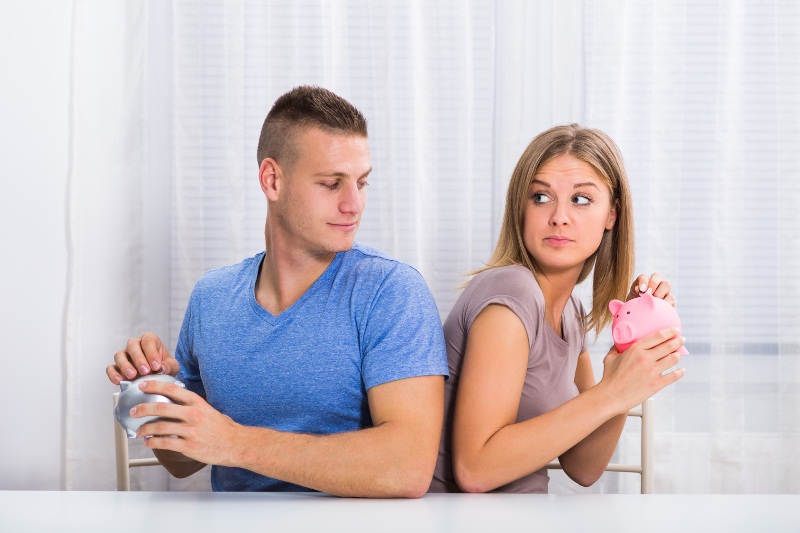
x,y
514,280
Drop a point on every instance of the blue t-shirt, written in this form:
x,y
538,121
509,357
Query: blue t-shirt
x,y
367,320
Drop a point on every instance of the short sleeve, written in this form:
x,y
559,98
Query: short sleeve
x,y
513,287
189,373
402,336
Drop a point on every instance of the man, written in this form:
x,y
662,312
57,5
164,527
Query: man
x,y
317,364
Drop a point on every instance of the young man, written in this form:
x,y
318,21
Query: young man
x,y
317,364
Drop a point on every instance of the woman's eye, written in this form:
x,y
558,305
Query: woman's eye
x,y
581,200
540,198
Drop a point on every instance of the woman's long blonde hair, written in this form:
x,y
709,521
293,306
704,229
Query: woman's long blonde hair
x,y
613,260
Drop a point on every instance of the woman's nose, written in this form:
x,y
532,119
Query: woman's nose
x,y
560,215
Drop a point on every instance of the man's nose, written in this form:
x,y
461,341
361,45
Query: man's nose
x,y
351,199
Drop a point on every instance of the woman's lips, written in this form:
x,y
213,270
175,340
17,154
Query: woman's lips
x,y
557,241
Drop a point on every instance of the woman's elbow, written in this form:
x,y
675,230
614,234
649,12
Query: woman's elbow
x,y
585,478
470,479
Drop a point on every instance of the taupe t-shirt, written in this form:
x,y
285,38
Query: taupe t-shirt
x,y
550,379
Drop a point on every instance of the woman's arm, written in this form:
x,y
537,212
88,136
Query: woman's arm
x,y
585,462
490,449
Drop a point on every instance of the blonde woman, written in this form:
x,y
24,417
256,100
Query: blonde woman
x,y
521,390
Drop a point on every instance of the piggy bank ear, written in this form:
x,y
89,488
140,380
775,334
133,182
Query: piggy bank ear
x,y
614,306
649,300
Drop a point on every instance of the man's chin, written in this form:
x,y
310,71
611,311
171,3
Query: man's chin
x,y
334,248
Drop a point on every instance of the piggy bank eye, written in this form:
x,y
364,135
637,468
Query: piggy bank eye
x,y
629,312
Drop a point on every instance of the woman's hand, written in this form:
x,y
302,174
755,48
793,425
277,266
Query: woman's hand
x,y
653,284
630,377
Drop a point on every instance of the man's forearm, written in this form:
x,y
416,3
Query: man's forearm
x,y
385,461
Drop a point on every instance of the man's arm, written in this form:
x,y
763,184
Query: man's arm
x,y
394,458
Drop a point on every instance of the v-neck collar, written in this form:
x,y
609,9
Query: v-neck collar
x,y
292,310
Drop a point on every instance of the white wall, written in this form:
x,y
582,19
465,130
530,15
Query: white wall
x,y
34,123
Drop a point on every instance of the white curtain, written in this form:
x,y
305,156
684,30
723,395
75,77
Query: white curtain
x,y
167,103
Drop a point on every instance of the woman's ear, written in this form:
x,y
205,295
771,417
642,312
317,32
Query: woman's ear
x,y
612,216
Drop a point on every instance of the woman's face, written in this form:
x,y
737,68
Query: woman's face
x,y
567,210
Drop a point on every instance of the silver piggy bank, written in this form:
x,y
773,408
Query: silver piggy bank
x,y
131,395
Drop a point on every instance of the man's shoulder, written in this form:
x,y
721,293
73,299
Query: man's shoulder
x,y
365,258
369,269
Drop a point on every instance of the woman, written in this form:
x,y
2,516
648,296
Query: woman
x,y
522,391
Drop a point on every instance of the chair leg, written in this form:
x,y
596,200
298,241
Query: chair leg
x,y
121,452
648,459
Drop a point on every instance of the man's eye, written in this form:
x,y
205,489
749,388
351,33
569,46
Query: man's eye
x,y
363,184
332,186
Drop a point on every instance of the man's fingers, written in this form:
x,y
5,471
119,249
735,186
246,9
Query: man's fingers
x,y
114,375
136,355
174,392
154,351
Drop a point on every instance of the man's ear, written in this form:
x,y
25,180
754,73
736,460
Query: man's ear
x,y
612,216
270,176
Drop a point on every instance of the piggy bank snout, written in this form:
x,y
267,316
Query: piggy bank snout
x,y
623,332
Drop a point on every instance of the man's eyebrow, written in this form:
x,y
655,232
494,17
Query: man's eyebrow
x,y
340,174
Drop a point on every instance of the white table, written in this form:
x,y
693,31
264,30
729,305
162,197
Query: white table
x,y
157,512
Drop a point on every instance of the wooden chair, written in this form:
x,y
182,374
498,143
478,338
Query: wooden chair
x,y
124,462
646,466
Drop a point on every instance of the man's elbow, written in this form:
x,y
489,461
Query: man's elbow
x,y
411,479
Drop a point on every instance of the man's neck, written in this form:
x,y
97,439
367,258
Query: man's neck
x,y
286,273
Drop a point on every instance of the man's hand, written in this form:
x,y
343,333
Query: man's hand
x,y
654,285
193,429
141,357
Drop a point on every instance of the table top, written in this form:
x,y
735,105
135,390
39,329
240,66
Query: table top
x,y
119,512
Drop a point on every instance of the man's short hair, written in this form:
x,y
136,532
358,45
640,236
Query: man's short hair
x,y
301,108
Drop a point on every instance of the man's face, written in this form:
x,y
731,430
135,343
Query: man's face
x,y
324,192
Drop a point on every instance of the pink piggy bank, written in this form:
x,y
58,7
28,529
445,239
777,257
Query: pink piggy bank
x,y
640,317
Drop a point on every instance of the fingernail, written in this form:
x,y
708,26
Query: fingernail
x,y
143,384
683,340
133,411
116,380
144,369
642,287
130,373
155,365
